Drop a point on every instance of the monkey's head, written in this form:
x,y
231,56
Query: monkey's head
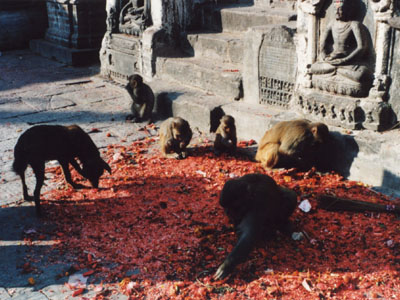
x,y
181,129
320,132
233,199
227,124
135,80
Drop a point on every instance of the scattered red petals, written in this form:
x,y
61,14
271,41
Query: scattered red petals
x,y
155,229
88,273
78,292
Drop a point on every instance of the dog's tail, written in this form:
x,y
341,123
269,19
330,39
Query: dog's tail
x,y
20,164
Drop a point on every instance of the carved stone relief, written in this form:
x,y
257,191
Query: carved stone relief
x,y
277,67
135,16
345,55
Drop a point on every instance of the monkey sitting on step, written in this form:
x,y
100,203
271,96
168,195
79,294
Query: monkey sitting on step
x,y
142,99
225,136
175,135
291,144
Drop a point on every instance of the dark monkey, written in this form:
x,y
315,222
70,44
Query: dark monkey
x,y
255,205
292,144
175,135
225,136
54,142
142,99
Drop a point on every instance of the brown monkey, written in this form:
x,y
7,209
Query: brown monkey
x,y
292,144
54,142
175,135
142,99
225,138
255,204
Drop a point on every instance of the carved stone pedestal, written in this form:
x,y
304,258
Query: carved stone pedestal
x,y
344,111
76,28
120,56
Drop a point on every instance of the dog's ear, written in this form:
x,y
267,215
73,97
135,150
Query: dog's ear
x,y
106,166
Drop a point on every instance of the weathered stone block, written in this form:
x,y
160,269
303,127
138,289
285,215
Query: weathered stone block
x,y
221,47
269,66
203,74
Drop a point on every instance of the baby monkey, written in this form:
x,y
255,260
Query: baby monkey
x,y
175,135
225,138
142,99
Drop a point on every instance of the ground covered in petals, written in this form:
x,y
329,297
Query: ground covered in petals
x,y
155,230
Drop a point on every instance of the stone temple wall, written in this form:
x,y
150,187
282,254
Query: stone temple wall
x,y
21,21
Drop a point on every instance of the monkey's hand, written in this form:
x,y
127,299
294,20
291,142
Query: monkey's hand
x,y
173,155
132,118
169,143
227,142
224,270
183,154
182,145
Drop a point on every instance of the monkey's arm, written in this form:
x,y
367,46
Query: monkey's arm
x,y
149,103
249,229
168,149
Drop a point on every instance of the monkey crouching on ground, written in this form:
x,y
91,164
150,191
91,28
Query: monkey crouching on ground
x,y
175,135
225,136
142,99
291,144
54,142
255,205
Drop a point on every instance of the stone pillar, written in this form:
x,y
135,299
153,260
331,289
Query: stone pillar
x,y
76,28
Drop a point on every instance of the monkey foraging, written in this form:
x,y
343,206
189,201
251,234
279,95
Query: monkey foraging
x,y
255,204
225,136
175,135
291,144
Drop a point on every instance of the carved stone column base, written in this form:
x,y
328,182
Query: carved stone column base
x,y
120,56
344,111
339,86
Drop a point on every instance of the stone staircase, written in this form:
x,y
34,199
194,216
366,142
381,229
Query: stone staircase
x,y
213,63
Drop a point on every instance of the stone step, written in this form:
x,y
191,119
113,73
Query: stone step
x,y
222,47
240,18
224,80
203,110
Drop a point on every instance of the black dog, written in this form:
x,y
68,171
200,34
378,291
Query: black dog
x,y
54,142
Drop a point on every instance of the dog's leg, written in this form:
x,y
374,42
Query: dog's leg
x,y
76,166
67,175
38,169
25,188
